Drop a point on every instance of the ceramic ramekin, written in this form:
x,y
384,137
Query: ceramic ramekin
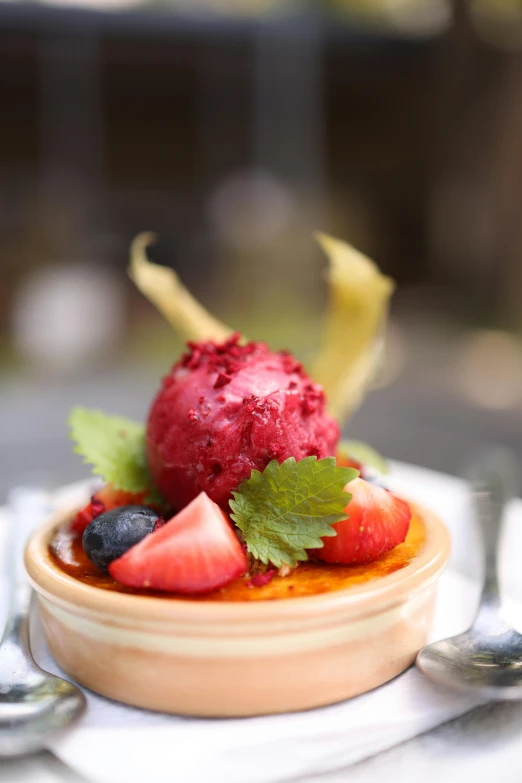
x,y
237,659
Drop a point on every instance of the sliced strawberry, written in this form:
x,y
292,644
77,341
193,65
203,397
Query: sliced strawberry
x,y
378,521
84,517
104,500
195,552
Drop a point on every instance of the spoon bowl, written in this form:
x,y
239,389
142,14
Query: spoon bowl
x,y
33,703
31,711
486,659
472,661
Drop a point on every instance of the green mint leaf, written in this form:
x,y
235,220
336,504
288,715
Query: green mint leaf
x,y
288,508
114,446
362,452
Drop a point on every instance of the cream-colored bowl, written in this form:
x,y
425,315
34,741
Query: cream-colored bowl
x,y
230,659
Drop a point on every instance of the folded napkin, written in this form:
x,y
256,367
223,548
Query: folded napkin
x,y
118,744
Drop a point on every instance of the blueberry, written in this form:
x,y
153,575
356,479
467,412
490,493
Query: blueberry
x,y
112,533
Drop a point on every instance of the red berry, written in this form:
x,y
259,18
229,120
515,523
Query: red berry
x,y
84,517
377,522
260,580
105,499
195,552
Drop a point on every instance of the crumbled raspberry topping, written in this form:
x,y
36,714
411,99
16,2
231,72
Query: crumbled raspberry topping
x,y
192,416
290,364
275,450
313,397
226,358
158,524
97,506
259,580
222,380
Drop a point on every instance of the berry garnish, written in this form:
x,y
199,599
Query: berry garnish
x,y
114,532
87,514
377,522
195,552
105,499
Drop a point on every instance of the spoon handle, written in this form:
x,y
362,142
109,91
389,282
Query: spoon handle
x,y
494,484
29,507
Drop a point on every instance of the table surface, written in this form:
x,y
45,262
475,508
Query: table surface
x,y
485,744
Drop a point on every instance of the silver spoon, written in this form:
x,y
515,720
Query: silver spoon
x,y
486,659
33,703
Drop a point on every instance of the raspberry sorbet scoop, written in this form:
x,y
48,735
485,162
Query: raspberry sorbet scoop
x,y
226,409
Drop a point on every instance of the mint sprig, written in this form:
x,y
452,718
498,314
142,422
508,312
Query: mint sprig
x,y
114,446
289,508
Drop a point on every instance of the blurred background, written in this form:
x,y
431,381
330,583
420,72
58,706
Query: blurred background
x,y
234,129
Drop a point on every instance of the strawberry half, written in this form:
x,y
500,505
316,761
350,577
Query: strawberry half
x,y
105,499
195,552
378,521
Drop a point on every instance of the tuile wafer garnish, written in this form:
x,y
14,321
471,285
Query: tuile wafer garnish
x,y
161,286
352,346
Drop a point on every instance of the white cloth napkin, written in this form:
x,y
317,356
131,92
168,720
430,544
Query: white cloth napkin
x,y
118,744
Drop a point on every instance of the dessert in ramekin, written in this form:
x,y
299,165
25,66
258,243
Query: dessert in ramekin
x,y
240,560
241,657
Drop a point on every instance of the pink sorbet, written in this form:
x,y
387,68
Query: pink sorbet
x,y
225,409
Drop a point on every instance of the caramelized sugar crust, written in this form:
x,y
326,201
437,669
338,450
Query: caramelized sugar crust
x,y
308,579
